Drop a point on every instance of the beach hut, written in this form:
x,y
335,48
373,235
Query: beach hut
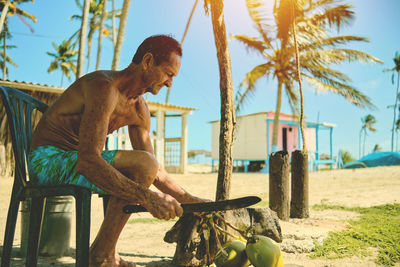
x,y
253,140
171,151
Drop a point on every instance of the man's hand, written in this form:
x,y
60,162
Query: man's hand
x,y
163,206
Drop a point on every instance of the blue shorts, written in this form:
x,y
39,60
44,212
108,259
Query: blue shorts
x,y
50,165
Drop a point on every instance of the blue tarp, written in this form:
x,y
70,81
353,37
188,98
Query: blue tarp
x,y
375,159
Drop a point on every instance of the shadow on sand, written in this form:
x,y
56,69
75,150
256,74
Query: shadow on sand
x,y
69,260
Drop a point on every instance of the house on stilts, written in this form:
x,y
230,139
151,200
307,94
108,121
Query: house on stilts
x,y
253,140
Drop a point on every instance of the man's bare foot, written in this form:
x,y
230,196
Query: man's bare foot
x,y
114,262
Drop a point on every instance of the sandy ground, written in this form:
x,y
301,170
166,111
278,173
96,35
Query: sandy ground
x,y
143,242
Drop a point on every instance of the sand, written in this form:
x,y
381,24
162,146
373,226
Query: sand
x,y
143,242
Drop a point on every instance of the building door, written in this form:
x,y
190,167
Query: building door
x,y
284,139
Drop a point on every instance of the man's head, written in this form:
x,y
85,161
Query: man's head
x,y
160,46
159,61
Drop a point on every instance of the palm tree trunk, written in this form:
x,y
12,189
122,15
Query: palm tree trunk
x,y
300,88
103,18
121,32
275,130
4,14
182,40
365,136
359,144
228,119
4,54
114,36
395,109
82,36
88,53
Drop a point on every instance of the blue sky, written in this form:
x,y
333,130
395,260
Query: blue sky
x,y
197,84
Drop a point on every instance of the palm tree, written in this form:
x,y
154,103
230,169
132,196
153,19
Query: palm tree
x,y
4,58
97,16
228,117
317,51
367,124
10,8
377,148
82,37
121,33
64,58
101,27
395,69
397,134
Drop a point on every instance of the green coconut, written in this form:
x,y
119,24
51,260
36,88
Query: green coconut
x,y
232,254
262,251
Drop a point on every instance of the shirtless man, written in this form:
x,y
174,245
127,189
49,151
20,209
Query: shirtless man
x,y
67,146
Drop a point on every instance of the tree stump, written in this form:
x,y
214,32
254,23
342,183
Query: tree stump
x,y
190,243
300,180
279,184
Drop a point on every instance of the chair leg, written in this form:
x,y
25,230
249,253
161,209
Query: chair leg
x,y
83,203
10,231
106,198
35,225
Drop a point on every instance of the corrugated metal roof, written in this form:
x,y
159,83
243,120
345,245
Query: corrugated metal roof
x,y
153,106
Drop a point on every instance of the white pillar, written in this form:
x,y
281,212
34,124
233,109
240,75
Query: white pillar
x,y
160,132
184,144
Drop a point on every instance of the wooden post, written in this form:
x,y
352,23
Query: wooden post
x,y
183,159
279,184
299,202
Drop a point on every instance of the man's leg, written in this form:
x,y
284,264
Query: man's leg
x,y
136,165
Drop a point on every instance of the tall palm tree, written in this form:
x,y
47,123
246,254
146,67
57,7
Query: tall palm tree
x,y
97,16
101,27
228,117
317,51
4,57
10,8
395,69
397,134
64,59
4,12
82,37
121,33
368,122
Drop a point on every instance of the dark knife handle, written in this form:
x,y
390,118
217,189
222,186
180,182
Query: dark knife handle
x,y
133,209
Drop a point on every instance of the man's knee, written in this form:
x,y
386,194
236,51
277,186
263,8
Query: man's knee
x,y
147,171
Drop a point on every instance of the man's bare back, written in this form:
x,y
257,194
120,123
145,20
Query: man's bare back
x,y
61,123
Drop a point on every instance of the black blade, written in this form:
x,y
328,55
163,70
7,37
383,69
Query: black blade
x,y
230,204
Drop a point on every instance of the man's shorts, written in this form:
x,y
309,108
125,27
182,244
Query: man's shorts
x,y
50,165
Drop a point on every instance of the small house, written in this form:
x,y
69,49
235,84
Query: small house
x,y
253,139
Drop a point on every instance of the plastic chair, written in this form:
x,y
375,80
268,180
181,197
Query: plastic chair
x,y
20,108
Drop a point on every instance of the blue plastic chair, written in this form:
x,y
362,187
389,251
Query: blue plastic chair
x,y
20,107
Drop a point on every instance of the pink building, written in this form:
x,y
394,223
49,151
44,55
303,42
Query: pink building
x,y
253,138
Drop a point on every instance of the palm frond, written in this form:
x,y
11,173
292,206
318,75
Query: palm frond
x,y
331,41
335,16
247,86
350,93
257,13
251,43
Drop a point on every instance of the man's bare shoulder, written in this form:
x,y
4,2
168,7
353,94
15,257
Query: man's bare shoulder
x,y
96,82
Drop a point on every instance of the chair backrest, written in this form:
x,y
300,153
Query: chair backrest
x,y
20,107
